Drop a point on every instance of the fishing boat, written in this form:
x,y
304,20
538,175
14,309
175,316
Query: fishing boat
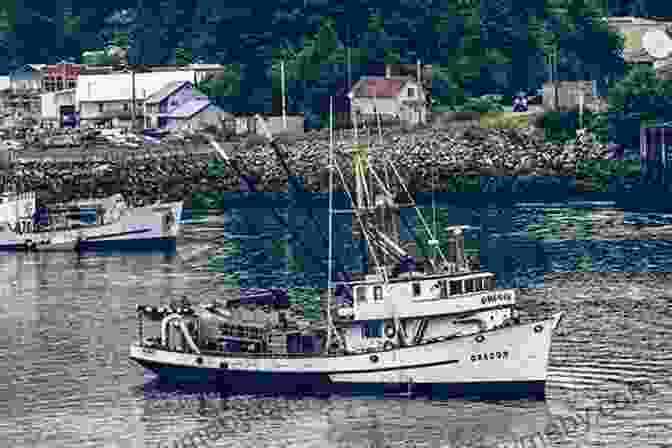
x,y
446,332
85,226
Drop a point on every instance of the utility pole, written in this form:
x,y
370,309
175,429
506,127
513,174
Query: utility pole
x,y
347,53
133,116
556,83
284,105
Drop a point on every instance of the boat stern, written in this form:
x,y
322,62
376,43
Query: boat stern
x,y
171,214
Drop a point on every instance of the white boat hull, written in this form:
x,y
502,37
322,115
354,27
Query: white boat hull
x,y
508,362
139,229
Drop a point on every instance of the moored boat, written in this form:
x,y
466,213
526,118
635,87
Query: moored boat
x,y
93,225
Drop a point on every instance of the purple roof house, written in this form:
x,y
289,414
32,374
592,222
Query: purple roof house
x,y
178,105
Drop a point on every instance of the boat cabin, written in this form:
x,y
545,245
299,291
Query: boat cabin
x,y
431,295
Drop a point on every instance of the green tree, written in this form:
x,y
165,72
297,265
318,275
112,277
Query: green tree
x,y
72,25
224,84
120,39
183,56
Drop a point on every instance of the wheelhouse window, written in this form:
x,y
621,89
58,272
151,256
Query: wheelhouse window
x,y
478,284
411,92
416,290
469,285
443,289
377,293
372,329
489,283
361,294
455,287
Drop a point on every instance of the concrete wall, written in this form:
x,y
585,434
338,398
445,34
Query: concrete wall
x,y
295,124
569,95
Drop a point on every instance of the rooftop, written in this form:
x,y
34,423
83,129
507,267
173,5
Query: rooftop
x,y
189,109
117,86
165,91
379,86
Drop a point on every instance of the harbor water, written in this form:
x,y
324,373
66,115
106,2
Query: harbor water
x,y
67,323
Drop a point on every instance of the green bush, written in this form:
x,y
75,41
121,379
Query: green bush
x,y
559,126
482,104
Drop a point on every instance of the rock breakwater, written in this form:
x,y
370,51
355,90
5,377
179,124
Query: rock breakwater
x,y
418,155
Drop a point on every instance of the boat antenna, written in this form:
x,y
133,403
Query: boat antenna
x,y
331,219
436,235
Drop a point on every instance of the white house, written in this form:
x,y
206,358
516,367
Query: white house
x,y
102,98
396,97
55,104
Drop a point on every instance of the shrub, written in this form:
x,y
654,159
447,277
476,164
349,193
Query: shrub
x,y
559,126
482,104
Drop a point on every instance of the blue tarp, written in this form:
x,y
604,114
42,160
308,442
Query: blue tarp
x,y
41,216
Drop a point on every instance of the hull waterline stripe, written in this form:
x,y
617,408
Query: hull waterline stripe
x,y
143,361
111,235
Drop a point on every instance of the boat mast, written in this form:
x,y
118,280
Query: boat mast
x,y
358,180
434,239
331,218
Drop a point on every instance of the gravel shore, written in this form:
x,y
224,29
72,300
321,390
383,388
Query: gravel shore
x,y
177,172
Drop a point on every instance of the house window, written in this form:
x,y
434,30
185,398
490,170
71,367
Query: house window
x,y
411,92
361,294
100,107
416,289
377,293
373,329
455,287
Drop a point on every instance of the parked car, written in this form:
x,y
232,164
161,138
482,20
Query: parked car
x,y
520,102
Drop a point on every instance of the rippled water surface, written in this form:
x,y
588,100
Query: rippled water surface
x,y
67,323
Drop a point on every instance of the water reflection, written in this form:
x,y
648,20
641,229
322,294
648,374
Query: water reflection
x,y
341,423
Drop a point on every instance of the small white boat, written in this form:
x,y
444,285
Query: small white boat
x,y
90,225
445,333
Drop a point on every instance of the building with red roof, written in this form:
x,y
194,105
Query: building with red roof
x,y
393,97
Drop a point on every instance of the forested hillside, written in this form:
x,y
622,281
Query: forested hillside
x,y
474,46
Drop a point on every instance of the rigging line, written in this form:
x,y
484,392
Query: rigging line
x,y
331,219
420,215
282,156
361,223
294,235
